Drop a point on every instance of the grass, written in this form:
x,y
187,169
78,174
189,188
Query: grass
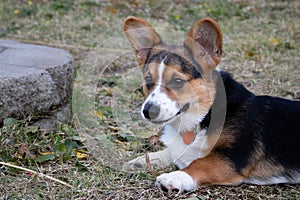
x,y
261,49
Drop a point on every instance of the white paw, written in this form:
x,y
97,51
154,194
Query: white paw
x,y
156,159
177,180
139,162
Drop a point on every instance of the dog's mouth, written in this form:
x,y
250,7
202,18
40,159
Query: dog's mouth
x,y
182,110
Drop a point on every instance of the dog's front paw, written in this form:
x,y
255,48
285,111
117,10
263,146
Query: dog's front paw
x,y
177,180
139,162
156,159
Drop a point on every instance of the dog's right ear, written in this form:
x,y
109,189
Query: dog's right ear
x,y
204,41
141,36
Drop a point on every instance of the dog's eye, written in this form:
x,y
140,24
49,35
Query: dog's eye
x,y
177,83
149,81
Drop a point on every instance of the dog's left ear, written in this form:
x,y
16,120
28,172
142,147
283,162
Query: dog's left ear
x,y
204,41
142,37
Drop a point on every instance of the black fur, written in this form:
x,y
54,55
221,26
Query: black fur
x,y
175,59
264,123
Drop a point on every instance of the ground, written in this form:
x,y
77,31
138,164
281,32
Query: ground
x,y
261,49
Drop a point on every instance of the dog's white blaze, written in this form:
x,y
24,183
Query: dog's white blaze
x,y
168,107
161,69
157,87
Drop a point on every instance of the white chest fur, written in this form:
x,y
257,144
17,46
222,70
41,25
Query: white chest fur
x,y
180,153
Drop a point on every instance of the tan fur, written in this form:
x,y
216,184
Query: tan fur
x,y
260,167
212,169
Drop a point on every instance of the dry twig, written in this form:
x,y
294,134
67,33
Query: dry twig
x,y
34,172
149,166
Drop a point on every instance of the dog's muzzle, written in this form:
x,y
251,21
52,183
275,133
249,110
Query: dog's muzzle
x,y
152,111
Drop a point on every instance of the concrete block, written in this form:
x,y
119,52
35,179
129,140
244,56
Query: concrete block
x,y
35,80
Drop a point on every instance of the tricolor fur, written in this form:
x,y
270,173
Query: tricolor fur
x,y
260,139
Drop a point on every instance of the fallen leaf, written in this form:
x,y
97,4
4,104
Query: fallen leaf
x,y
177,17
47,153
10,122
80,155
250,54
122,144
31,129
46,157
59,148
102,138
274,41
99,114
112,10
134,4
113,128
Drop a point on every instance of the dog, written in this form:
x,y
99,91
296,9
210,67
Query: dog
x,y
257,141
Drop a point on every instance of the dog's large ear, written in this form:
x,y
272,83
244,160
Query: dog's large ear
x,y
141,36
204,41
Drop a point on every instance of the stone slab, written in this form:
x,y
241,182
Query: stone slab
x,y
34,79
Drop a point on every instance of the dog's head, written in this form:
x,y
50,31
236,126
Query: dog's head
x,y
178,80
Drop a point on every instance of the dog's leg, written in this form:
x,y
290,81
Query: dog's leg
x,y
211,169
157,159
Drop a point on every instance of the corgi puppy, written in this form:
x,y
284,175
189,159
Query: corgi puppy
x,y
244,139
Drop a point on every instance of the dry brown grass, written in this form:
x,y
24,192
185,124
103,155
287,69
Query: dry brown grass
x,y
261,50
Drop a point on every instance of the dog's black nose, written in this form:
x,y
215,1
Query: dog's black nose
x,y
151,111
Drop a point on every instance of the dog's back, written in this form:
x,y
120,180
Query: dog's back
x,y
279,120
266,134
